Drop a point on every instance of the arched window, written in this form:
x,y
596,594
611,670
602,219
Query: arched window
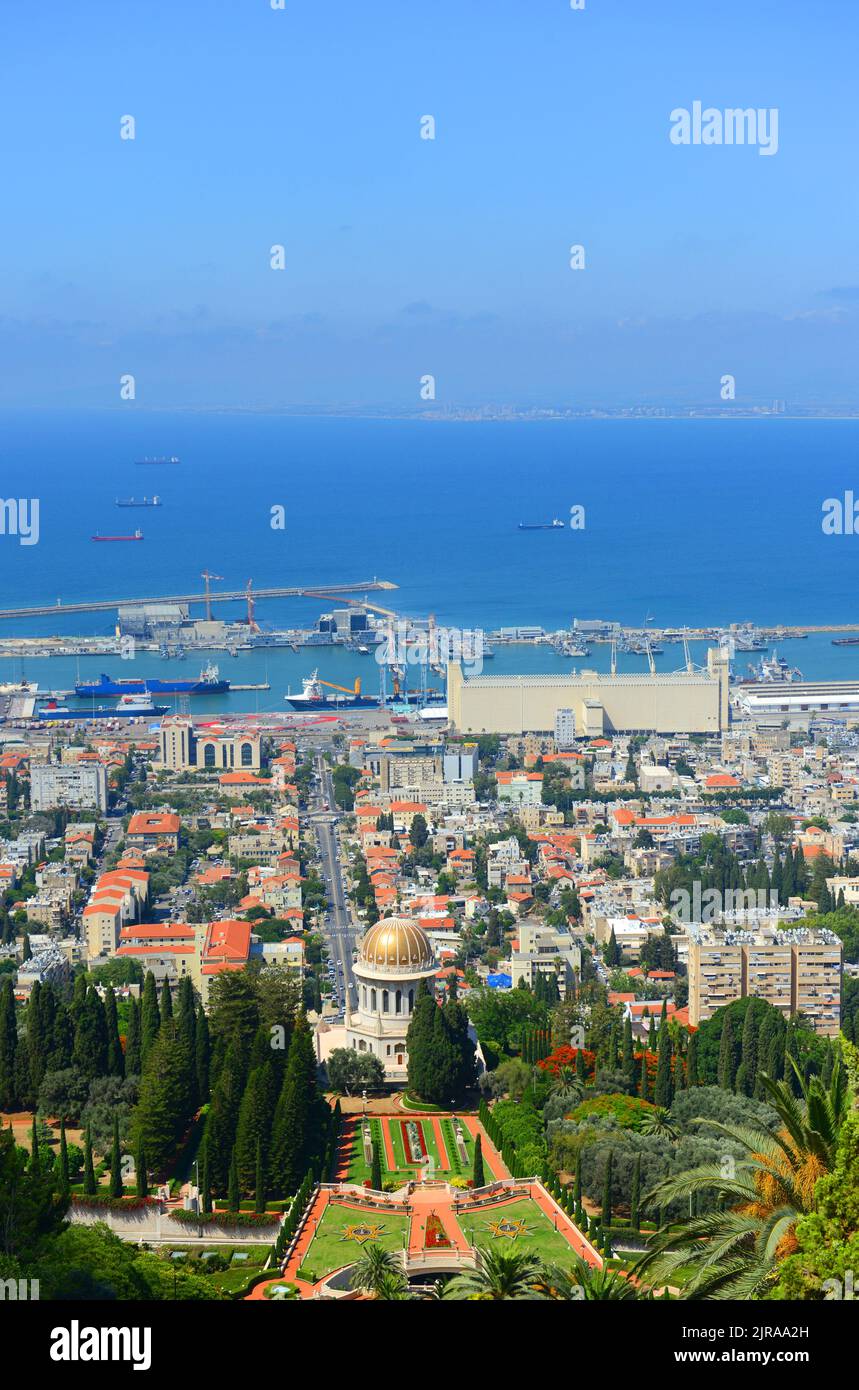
x,y
362,1046
364,995
411,1000
372,1001
398,1004
247,754
384,1001
209,755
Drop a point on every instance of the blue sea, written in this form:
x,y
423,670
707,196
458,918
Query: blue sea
x,y
692,522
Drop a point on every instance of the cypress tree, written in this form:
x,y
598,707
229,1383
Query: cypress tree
x,y
201,1052
628,1058
662,1091
644,1087
296,1132
132,1040
166,1100
223,1118
8,1045
115,1162
233,1187
89,1170
605,1214
581,1070
376,1167
35,1160
692,1061
253,1128
91,1041
577,1186
477,1175
259,1182
65,1186
748,1069
205,1188
142,1185
635,1195
774,1060
420,1043
36,1042
115,1060
725,1072
150,1018
62,1040
165,1007
186,1014
79,993
791,1055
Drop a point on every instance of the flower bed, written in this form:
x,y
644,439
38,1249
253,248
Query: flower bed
x,y
436,1237
223,1218
413,1141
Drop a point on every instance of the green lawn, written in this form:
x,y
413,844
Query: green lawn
x,y
331,1247
539,1236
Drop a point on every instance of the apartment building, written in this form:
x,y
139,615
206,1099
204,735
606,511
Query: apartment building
x,y
79,786
796,971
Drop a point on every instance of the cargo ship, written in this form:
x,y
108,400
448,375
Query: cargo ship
x,y
554,525
209,683
138,536
314,695
141,463
133,502
129,707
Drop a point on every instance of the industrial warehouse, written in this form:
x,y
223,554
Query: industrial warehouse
x,y
689,701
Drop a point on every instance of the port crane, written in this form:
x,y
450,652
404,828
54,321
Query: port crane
x,y
208,576
253,625
346,689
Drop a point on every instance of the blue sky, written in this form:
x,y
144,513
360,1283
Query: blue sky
x,y
404,256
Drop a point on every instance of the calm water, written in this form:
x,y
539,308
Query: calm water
x,y
697,522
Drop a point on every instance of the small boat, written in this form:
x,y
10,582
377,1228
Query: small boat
x,y
140,463
138,536
553,525
133,502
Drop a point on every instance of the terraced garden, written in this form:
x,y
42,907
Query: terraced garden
x,y
399,1161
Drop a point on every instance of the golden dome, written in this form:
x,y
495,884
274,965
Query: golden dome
x,y
396,942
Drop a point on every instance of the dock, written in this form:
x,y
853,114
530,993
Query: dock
x,y
372,586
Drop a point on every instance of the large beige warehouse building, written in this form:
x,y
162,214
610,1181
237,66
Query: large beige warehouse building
x,y
681,702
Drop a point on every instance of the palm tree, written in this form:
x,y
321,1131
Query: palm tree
x,y
734,1253
656,1122
379,1272
498,1274
392,1288
584,1283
